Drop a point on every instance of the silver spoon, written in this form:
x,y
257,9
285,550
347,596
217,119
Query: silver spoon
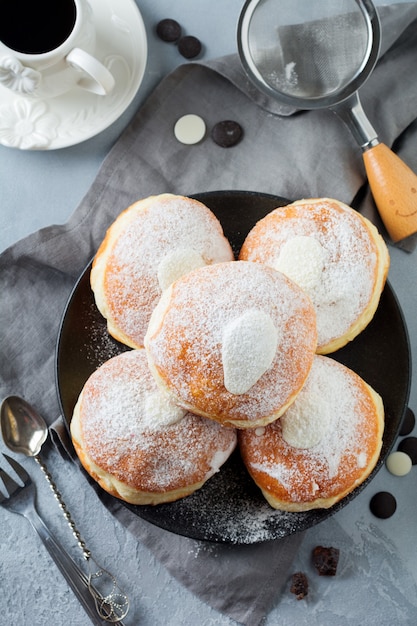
x,y
24,431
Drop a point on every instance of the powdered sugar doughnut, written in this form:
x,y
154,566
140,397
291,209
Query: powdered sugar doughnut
x,y
233,342
150,244
135,443
326,443
332,252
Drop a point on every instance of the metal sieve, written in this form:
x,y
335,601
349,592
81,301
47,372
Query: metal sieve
x,y
313,54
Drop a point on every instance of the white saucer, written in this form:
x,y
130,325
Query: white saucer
x,y
35,124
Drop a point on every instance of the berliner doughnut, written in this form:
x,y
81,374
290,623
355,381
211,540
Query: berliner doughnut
x,y
326,444
332,252
135,443
233,342
149,245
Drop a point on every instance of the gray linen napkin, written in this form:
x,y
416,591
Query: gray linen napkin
x,y
302,155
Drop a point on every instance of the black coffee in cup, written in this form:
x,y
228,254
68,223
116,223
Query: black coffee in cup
x,y
36,26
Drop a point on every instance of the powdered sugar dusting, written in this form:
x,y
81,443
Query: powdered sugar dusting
x,y
290,73
165,225
187,347
101,346
230,507
349,258
248,350
125,434
328,393
345,446
362,459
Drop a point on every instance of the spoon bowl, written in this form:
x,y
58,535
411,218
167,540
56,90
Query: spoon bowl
x,y
22,428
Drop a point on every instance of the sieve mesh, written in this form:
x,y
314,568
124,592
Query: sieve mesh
x,y
308,48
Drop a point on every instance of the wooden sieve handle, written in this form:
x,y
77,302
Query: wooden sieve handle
x,y
394,188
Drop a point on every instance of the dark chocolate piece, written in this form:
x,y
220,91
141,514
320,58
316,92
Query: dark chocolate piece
x,y
409,446
325,560
168,30
408,423
383,504
189,46
226,133
299,585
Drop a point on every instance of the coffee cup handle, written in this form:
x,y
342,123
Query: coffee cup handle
x,y
97,78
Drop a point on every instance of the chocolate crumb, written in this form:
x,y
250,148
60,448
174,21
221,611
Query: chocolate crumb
x,y
325,560
299,585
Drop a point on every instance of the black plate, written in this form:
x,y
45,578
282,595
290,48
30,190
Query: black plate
x,y
230,508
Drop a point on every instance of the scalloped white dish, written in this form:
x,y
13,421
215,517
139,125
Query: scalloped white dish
x,y
48,124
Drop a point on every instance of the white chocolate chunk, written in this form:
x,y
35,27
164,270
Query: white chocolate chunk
x,y
249,347
160,411
302,260
399,463
305,422
177,263
190,129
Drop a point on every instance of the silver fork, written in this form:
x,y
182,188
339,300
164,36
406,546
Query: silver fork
x,y
22,499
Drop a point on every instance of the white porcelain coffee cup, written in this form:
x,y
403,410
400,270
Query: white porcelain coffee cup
x,y
47,48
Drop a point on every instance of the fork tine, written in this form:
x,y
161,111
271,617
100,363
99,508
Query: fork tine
x,y
19,469
10,485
